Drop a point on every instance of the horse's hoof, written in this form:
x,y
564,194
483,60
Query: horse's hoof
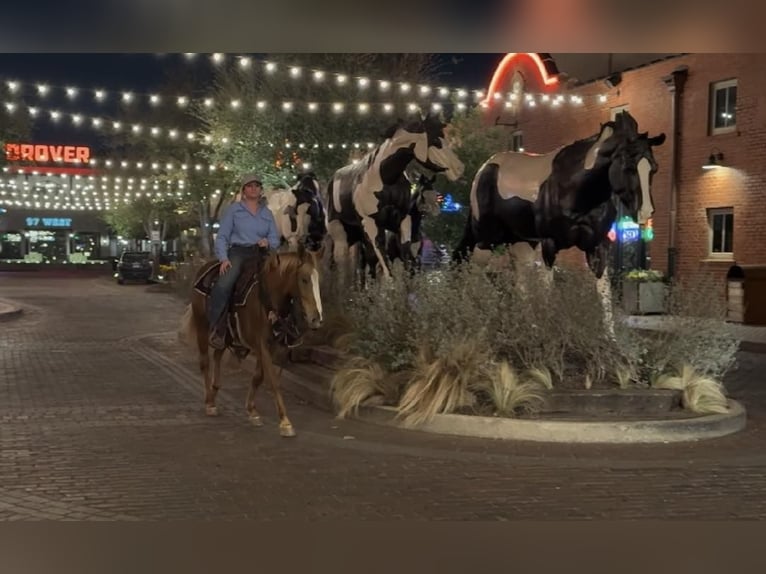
x,y
287,431
211,411
256,421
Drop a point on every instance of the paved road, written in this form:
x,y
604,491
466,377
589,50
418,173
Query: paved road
x,y
101,419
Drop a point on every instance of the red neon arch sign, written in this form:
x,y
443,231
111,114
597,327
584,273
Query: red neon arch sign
x,y
505,65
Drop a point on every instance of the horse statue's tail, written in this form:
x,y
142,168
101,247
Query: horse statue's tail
x,y
467,242
186,334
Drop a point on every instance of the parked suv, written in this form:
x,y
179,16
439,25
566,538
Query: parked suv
x,y
134,266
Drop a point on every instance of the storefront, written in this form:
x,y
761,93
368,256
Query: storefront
x,y
56,237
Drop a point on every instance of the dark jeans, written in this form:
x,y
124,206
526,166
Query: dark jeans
x,y
222,291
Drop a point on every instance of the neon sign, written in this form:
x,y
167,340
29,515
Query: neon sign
x,y
49,222
448,205
47,153
549,81
628,231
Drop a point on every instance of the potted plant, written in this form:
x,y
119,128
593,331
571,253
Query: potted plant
x,y
644,291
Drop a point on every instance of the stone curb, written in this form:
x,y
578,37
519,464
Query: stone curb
x,y
616,432
541,430
9,310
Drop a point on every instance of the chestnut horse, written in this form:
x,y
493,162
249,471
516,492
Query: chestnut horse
x,y
287,277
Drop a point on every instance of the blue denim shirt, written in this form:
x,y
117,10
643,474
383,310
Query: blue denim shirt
x,y
239,226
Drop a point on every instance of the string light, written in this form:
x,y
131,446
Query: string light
x,y
44,89
84,193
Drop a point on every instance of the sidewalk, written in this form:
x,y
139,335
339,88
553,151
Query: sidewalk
x,y
747,333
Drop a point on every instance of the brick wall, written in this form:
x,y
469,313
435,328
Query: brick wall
x,y
741,185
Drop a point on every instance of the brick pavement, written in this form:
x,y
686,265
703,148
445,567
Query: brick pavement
x,y
101,419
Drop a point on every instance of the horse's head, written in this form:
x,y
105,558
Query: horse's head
x,y
426,198
310,211
430,146
296,274
632,165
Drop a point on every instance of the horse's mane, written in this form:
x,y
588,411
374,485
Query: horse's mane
x,y
283,263
578,149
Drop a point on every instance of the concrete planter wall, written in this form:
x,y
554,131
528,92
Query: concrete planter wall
x,y
643,297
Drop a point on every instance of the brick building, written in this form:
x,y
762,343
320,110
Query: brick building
x,y
719,104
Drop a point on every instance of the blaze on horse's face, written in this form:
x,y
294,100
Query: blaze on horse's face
x,y
308,286
633,167
431,148
311,215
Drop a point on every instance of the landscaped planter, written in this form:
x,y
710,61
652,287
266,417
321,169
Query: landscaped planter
x,y
643,297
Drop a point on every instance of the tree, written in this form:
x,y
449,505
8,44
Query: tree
x,y
125,221
184,190
15,125
251,136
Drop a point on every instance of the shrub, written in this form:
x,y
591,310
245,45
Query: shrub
x,y
701,394
460,336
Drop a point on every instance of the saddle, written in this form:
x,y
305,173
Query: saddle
x,y
247,280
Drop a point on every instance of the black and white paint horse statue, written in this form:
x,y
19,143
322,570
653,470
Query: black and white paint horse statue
x,y
299,213
566,198
373,195
424,203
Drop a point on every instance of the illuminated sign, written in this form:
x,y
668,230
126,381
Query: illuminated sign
x,y
549,81
47,153
49,222
449,205
627,231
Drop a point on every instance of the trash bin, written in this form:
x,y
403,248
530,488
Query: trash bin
x,y
746,294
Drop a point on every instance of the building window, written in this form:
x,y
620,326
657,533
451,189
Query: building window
x,y
616,110
723,107
721,223
517,141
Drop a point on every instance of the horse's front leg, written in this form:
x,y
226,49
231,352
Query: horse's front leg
x,y
340,251
604,287
405,241
264,358
255,382
597,261
374,236
215,384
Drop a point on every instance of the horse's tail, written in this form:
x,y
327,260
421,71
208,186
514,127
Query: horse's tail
x,y
186,329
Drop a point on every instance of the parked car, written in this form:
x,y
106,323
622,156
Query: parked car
x,y
134,266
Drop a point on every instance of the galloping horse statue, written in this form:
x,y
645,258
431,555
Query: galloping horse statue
x,y
286,278
366,198
562,199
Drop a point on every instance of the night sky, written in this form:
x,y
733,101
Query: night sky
x,y
143,73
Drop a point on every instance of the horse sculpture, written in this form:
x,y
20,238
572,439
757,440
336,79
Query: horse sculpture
x,y
287,278
424,203
562,199
299,212
373,195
